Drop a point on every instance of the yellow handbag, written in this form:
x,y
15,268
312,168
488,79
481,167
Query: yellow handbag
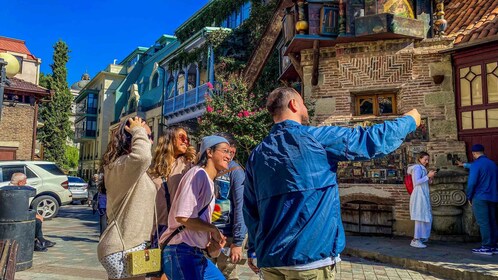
x,y
144,261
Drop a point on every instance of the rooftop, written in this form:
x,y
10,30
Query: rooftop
x,y
471,20
15,45
23,86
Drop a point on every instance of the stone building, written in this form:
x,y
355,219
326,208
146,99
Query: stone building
x,y
365,62
19,117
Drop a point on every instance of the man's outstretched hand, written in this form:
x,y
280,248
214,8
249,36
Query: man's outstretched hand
x,y
415,115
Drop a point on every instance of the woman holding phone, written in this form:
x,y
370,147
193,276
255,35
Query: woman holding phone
x,y
420,200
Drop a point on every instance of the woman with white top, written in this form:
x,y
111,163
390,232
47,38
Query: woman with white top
x,y
420,200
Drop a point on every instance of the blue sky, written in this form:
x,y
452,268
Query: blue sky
x,y
96,31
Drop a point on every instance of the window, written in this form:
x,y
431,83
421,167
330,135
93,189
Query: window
x,y
7,171
30,174
92,104
20,59
237,17
375,104
329,20
72,179
51,168
134,60
478,85
170,90
155,80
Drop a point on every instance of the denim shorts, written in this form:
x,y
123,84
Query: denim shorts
x,y
183,262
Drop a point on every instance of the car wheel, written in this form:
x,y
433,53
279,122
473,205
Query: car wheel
x,y
84,201
45,206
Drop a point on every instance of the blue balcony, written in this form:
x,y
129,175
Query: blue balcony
x,y
189,104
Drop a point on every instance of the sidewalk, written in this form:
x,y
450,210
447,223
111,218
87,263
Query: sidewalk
x,y
451,260
74,257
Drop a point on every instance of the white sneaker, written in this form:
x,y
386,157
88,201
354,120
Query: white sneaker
x,y
417,244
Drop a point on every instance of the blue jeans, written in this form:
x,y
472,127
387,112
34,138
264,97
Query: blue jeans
x,y
182,262
485,213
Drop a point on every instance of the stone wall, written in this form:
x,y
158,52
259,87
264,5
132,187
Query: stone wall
x,y
16,126
420,76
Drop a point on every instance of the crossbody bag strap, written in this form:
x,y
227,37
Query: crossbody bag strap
x,y
182,227
120,211
229,170
167,195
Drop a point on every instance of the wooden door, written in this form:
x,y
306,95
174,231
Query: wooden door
x,y
7,153
363,218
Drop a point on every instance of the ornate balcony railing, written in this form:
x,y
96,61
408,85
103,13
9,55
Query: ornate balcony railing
x,y
188,100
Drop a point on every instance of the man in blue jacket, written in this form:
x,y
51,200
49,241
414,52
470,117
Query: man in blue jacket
x,y
291,197
482,193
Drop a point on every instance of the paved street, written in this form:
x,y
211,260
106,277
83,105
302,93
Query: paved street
x,y
74,257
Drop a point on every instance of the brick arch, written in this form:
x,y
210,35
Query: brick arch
x,y
367,198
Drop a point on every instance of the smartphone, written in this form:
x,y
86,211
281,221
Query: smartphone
x,y
437,170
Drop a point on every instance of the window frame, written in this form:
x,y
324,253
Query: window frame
x,y
375,97
485,105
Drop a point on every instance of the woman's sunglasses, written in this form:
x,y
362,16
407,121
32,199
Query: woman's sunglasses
x,y
183,138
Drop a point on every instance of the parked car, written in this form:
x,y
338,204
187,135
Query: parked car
x,y
79,188
47,178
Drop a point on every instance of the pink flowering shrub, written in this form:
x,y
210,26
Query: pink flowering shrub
x,y
230,107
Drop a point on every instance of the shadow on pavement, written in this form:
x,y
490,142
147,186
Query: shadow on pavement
x,y
72,238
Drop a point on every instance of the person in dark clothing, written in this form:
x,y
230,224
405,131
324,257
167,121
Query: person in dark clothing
x,y
228,216
100,205
93,187
41,244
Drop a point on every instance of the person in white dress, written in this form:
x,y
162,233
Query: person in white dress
x,y
420,200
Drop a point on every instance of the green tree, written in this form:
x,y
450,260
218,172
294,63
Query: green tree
x,y
71,158
55,114
46,80
231,108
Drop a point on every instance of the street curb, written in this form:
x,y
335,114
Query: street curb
x,y
421,266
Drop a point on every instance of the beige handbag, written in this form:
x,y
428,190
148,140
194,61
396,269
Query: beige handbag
x,y
143,261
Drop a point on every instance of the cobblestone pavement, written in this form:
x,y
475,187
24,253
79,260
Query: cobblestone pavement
x,y
74,257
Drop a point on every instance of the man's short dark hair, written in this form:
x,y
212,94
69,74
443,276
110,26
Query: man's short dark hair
x,y
229,136
278,99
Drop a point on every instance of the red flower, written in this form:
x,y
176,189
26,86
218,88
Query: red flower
x,y
210,85
209,109
246,113
239,115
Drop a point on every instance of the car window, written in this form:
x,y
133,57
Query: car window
x,y
30,174
75,180
52,168
8,170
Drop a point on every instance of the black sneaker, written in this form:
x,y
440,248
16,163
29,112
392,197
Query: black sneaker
x,y
49,243
39,247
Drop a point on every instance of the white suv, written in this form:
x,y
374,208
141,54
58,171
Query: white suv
x,y
47,178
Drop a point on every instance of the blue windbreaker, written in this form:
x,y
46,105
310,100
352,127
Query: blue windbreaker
x,y
482,182
291,198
